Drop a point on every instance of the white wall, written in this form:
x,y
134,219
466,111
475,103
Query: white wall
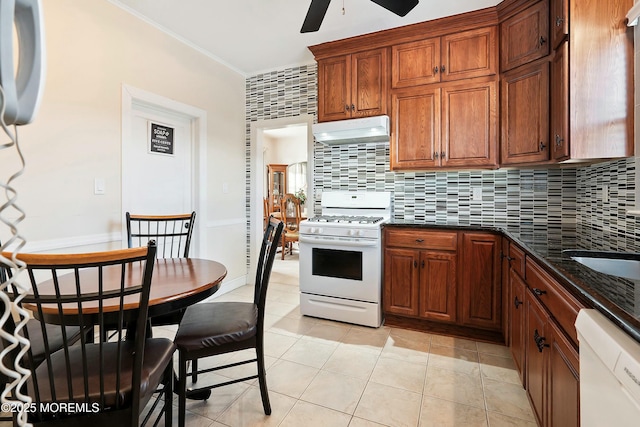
x,y
93,48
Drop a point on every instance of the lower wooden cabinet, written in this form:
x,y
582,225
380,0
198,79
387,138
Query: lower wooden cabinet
x,y
420,274
545,351
451,277
480,281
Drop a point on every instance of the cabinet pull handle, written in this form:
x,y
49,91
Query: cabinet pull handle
x,y
443,154
542,41
517,302
542,146
538,291
435,70
559,21
559,140
415,264
436,155
539,341
422,263
419,240
442,69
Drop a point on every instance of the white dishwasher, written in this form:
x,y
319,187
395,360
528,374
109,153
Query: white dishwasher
x,y
609,373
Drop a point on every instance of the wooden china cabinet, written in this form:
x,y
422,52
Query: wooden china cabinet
x,y
276,184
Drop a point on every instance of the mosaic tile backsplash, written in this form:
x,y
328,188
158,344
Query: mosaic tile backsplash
x,y
569,198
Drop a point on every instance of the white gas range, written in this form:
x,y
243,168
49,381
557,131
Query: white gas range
x,y
341,258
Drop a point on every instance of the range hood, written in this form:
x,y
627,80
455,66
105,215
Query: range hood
x,y
353,131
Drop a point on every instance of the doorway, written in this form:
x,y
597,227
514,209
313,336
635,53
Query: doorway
x,y
163,144
263,133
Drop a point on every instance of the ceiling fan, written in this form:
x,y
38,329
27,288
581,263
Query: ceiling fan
x,y
318,9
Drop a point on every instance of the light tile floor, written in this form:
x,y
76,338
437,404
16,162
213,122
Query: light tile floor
x,y
325,373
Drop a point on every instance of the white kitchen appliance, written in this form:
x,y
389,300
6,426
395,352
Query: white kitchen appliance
x,y
609,373
341,258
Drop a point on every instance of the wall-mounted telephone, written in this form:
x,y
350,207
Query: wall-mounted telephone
x,y
22,89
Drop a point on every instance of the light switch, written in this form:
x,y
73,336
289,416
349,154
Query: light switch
x,y
98,186
477,194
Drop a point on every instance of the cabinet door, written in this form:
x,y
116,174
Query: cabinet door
x,y
481,295
334,88
369,83
563,407
536,344
469,124
525,115
438,286
401,281
517,321
415,63
415,130
525,36
559,21
469,54
560,103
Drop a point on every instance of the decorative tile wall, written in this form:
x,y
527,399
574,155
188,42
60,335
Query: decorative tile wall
x,y
602,221
568,199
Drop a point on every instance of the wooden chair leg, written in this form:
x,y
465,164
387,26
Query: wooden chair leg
x,y
262,377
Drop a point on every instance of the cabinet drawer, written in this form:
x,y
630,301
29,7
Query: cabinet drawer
x,y
516,260
561,305
411,238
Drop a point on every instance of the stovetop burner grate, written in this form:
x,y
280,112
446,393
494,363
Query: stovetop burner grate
x,y
347,219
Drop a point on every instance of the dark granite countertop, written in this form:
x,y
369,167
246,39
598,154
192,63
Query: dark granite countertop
x,y
617,298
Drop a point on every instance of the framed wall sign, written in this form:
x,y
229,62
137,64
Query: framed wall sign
x,y
160,139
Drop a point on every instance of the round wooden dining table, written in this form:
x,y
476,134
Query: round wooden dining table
x,y
176,284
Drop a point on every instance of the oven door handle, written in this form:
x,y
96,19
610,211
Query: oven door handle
x,y
355,242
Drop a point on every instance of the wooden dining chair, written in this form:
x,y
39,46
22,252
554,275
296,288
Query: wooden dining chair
x,y
110,382
172,234
290,212
214,328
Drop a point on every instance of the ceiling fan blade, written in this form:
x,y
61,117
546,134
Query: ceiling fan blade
x,y
399,7
315,15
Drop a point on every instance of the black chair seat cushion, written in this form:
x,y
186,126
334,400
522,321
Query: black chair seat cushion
x,y
157,353
54,335
216,324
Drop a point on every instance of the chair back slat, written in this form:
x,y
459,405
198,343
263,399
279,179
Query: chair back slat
x,y
268,249
78,283
172,233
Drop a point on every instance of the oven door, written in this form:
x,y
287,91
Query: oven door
x,y
341,267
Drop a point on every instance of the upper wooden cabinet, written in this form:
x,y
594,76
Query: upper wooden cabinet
x,y
592,82
452,125
525,115
525,36
354,85
452,57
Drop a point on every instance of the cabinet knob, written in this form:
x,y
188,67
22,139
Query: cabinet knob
x,y
419,240
443,154
559,21
539,341
435,70
542,41
353,108
442,68
422,264
415,264
436,155
542,146
517,302
346,107
559,140
538,291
